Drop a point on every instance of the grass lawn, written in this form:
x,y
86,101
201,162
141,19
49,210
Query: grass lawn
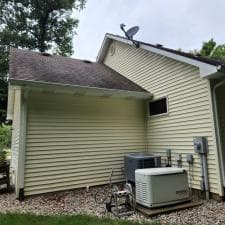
x,y
28,219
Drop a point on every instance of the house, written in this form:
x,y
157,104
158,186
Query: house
x,y
74,120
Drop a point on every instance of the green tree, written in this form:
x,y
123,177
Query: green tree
x,y
5,136
219,52
3,100
44,25
207,47
212,50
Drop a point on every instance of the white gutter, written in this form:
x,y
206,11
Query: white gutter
x,y
217,127
204,68
80,90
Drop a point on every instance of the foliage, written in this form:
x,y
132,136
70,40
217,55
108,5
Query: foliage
x,y
5,136
39,24
207,47
44,25
212,50
3,99
219,52
2,156
5,141
27,219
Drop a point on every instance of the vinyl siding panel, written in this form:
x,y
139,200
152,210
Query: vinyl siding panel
x,y
74,141
188,102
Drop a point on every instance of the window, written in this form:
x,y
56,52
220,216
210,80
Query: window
x,y
158,107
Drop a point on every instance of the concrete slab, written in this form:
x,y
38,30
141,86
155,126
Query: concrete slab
x,y
156,211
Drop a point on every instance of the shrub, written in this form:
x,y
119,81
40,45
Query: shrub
x,y
2,156
5,136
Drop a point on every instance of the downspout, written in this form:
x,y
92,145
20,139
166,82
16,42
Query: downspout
x,y
205,174
201,147
10,105
217,127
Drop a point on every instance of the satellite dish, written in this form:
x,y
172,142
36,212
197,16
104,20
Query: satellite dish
x,y
131,32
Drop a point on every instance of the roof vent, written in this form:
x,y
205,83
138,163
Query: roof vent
x,y
159,45
45,54
87,61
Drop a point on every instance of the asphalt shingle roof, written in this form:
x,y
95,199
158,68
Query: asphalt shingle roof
x,y
33,66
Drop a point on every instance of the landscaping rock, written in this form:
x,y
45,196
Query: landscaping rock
x,y
83,201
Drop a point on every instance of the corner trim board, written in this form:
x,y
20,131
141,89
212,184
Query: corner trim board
x,y
22,143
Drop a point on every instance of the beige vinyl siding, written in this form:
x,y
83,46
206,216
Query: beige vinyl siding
x,y
188,102
16,134
74,141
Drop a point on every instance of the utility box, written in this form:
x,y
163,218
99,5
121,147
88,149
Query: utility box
x,y
161,186
200,145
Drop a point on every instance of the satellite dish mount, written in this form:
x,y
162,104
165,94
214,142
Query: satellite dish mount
x,y
130,33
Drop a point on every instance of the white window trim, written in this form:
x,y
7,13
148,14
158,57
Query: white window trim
x,y
157,99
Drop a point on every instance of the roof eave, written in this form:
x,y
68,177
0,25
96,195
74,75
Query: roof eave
x,y
79,90
205,69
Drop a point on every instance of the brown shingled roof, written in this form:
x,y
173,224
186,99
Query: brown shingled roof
x,y
33,66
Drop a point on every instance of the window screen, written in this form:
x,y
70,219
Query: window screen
x,y
158,107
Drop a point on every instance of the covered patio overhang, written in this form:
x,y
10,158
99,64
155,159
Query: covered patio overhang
x,y
46,87
80,90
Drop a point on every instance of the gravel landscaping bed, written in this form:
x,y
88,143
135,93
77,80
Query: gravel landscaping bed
x,y
82,201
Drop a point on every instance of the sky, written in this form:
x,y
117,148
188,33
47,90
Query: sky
x,y
176,24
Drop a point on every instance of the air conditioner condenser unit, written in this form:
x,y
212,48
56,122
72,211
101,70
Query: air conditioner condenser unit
x,y
139,160
156,187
